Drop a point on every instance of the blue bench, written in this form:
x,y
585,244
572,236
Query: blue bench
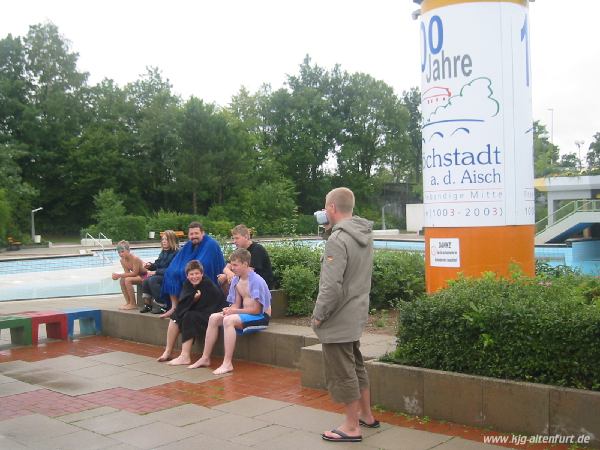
x,y
90,320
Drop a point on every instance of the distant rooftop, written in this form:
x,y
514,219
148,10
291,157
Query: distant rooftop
x,y
551,184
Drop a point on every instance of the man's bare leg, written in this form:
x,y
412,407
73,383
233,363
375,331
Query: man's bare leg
x,y
185,357
212,333
172,333
229,337
366,414
350,426
174,301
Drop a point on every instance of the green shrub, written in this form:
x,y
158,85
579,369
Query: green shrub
x,y
306,225
221,228
300,283
536,330
397,276
284,255
168,220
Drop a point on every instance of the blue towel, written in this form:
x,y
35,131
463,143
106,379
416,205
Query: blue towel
x,y
208,252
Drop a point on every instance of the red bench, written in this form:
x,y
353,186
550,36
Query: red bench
x,y
55,321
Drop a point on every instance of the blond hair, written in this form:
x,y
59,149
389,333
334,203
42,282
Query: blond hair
x,y
342,198
242,230
242,255
171,239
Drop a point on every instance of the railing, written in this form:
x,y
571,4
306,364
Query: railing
x,y
98,242
566,211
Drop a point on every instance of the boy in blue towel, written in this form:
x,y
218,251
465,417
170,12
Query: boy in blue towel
x,y
250,310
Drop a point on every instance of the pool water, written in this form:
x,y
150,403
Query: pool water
x,y
91,274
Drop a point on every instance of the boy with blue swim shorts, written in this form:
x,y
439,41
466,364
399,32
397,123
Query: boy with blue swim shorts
x,y
250,310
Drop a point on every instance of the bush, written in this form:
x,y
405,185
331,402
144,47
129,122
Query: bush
x,y
167,220
287,254
300,283
527,329
397,276
220,228
306,225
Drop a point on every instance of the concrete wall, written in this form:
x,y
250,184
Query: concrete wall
x,y
502,405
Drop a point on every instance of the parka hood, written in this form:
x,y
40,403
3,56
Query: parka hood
x,y
360,229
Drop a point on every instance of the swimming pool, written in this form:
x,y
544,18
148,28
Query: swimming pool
x,y
91,274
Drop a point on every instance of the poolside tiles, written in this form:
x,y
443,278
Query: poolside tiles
x,y
38,412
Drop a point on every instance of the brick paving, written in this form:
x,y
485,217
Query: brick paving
x,y
249,380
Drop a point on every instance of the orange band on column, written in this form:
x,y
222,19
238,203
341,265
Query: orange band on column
x,y
482,249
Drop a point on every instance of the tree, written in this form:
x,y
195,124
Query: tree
x,y
545,154
374,131
51,120
593,155
302,132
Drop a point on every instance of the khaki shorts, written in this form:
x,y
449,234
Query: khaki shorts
x,y
345,372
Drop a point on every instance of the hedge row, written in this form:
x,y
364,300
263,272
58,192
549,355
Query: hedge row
x,y
530,329
397,276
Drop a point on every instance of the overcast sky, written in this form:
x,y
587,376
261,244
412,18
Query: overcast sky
x,y
211,48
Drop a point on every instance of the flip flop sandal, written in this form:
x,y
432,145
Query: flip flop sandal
x,y
343,437
374,424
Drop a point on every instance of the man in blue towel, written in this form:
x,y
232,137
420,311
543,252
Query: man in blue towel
x,y
201,247
250,310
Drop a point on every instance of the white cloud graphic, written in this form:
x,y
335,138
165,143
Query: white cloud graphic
x,y
474,102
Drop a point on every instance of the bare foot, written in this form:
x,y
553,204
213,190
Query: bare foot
x,y
180,361
122,307
223,370
164,357
202,362
129,307
167,314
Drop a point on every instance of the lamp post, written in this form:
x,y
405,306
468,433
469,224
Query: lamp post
x,y
551,125
383,215
33,211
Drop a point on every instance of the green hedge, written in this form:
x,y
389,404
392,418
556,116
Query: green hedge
x,y
539,330
397,276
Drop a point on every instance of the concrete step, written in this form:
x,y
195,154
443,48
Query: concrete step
x,y
372,347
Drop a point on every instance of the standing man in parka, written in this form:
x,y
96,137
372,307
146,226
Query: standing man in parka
x,y
341,313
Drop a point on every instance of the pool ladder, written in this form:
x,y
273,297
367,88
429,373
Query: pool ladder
x,y
98,242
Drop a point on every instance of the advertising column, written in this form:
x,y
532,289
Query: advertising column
x,y
477,136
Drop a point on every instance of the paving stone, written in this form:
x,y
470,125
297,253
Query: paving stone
x,y
226,425
120,358
302,440
252,406
78,440
104,371
302,417
457,443
203,442
34,428
184,415
34,375
137,382
16,387
406,439
113,423
7,367
199,375
262,435
5,379
11,444
153,435
156,368
87,414
64,363
72,385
